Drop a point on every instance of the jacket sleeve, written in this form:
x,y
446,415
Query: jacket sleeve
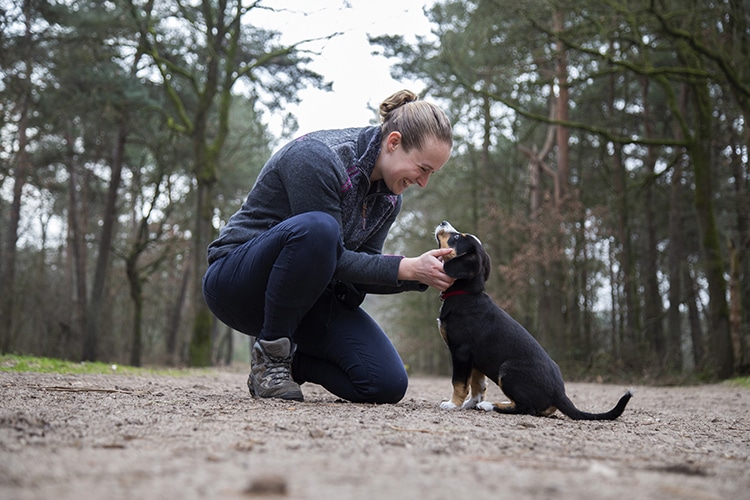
x,y
371,271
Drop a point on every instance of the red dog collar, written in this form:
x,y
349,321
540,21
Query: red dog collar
x,y
445,295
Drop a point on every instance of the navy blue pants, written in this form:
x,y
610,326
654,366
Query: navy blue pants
x,y
277,285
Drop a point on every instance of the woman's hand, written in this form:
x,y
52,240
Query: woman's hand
x,y
427,269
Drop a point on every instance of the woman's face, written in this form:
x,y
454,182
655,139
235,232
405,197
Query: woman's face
x,y
400,169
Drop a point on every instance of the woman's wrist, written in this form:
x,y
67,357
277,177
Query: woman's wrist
x,y
406,269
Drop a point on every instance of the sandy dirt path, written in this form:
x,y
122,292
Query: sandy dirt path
x,y
201,436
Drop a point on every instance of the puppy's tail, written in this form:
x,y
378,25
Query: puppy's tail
x,y
567,407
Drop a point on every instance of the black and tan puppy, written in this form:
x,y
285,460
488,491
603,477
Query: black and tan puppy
x,y
484,341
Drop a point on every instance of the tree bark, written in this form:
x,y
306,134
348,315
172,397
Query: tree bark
x,y
136,295
699,149
696,331
652,307
675,263
563,114
8,266
98,289
175,318
77,244
200,341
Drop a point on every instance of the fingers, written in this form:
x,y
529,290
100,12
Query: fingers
x,y
440,252
436,277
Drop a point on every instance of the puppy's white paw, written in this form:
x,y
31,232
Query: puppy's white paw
x,y
472,403
485,405
447,405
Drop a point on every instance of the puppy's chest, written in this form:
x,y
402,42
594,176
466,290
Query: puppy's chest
x,y
445,320
442,325
459,322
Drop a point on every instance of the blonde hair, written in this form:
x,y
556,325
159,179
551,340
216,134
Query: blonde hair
x,y
416,120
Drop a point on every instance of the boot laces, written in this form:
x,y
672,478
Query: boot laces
x,y
278,370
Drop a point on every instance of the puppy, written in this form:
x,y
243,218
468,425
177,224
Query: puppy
x,y
484,341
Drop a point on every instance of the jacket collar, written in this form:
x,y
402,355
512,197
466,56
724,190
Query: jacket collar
x,y
368,149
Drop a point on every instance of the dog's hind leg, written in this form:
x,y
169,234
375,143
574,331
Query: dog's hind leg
x,y
508,407
477,387
504,407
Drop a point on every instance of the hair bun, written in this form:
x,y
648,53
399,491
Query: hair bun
x,y
396,101
416,123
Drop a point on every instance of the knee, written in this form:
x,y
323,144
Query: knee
x,y
390,388
395,391
319,224
320,229
324,223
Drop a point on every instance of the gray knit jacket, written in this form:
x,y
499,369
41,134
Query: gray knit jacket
x,y
327,171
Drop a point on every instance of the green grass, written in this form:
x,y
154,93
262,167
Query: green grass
x,y
16,363
740,381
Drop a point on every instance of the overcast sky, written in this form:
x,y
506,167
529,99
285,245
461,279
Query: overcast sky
x,y
359,78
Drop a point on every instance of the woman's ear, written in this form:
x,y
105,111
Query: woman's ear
x,y
393,141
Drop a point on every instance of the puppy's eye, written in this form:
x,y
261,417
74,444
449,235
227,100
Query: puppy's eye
x,y
455,236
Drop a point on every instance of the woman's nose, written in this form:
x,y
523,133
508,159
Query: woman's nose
x,y
423,179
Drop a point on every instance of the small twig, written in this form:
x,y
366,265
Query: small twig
x,y
406,429
84,389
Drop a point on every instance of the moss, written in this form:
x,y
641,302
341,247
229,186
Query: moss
x,y
740,382
200,344
17,363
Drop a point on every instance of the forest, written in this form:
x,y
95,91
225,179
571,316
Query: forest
x,y
600,153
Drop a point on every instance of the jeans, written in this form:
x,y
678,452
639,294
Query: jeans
x,y
277,285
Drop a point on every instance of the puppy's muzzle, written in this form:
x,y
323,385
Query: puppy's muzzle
x,y
443,232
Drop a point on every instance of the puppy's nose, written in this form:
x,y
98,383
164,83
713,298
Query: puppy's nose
x,y
445,223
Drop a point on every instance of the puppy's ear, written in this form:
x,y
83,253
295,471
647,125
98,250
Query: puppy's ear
x,y
464,266
486,263
469,264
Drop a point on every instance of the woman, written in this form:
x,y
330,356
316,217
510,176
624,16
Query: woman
x,y
292,266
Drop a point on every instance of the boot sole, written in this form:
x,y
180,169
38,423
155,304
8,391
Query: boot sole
x,y
288,396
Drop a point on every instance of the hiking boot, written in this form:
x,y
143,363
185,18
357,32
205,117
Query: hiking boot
x,y
271,370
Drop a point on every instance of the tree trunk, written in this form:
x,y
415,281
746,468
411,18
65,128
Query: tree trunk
x,y
699,148
8,274
652,300
696,332
8,265
77,244
200,341
623,280
629,316
558,275
175,318
136,294
739,287
735,301
563,115
676,259
679,274
98,292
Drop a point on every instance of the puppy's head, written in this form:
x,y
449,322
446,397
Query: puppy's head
x,y
468,258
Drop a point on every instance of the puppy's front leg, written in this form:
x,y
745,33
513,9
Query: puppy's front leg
x,y
478,386
461,374
460,391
